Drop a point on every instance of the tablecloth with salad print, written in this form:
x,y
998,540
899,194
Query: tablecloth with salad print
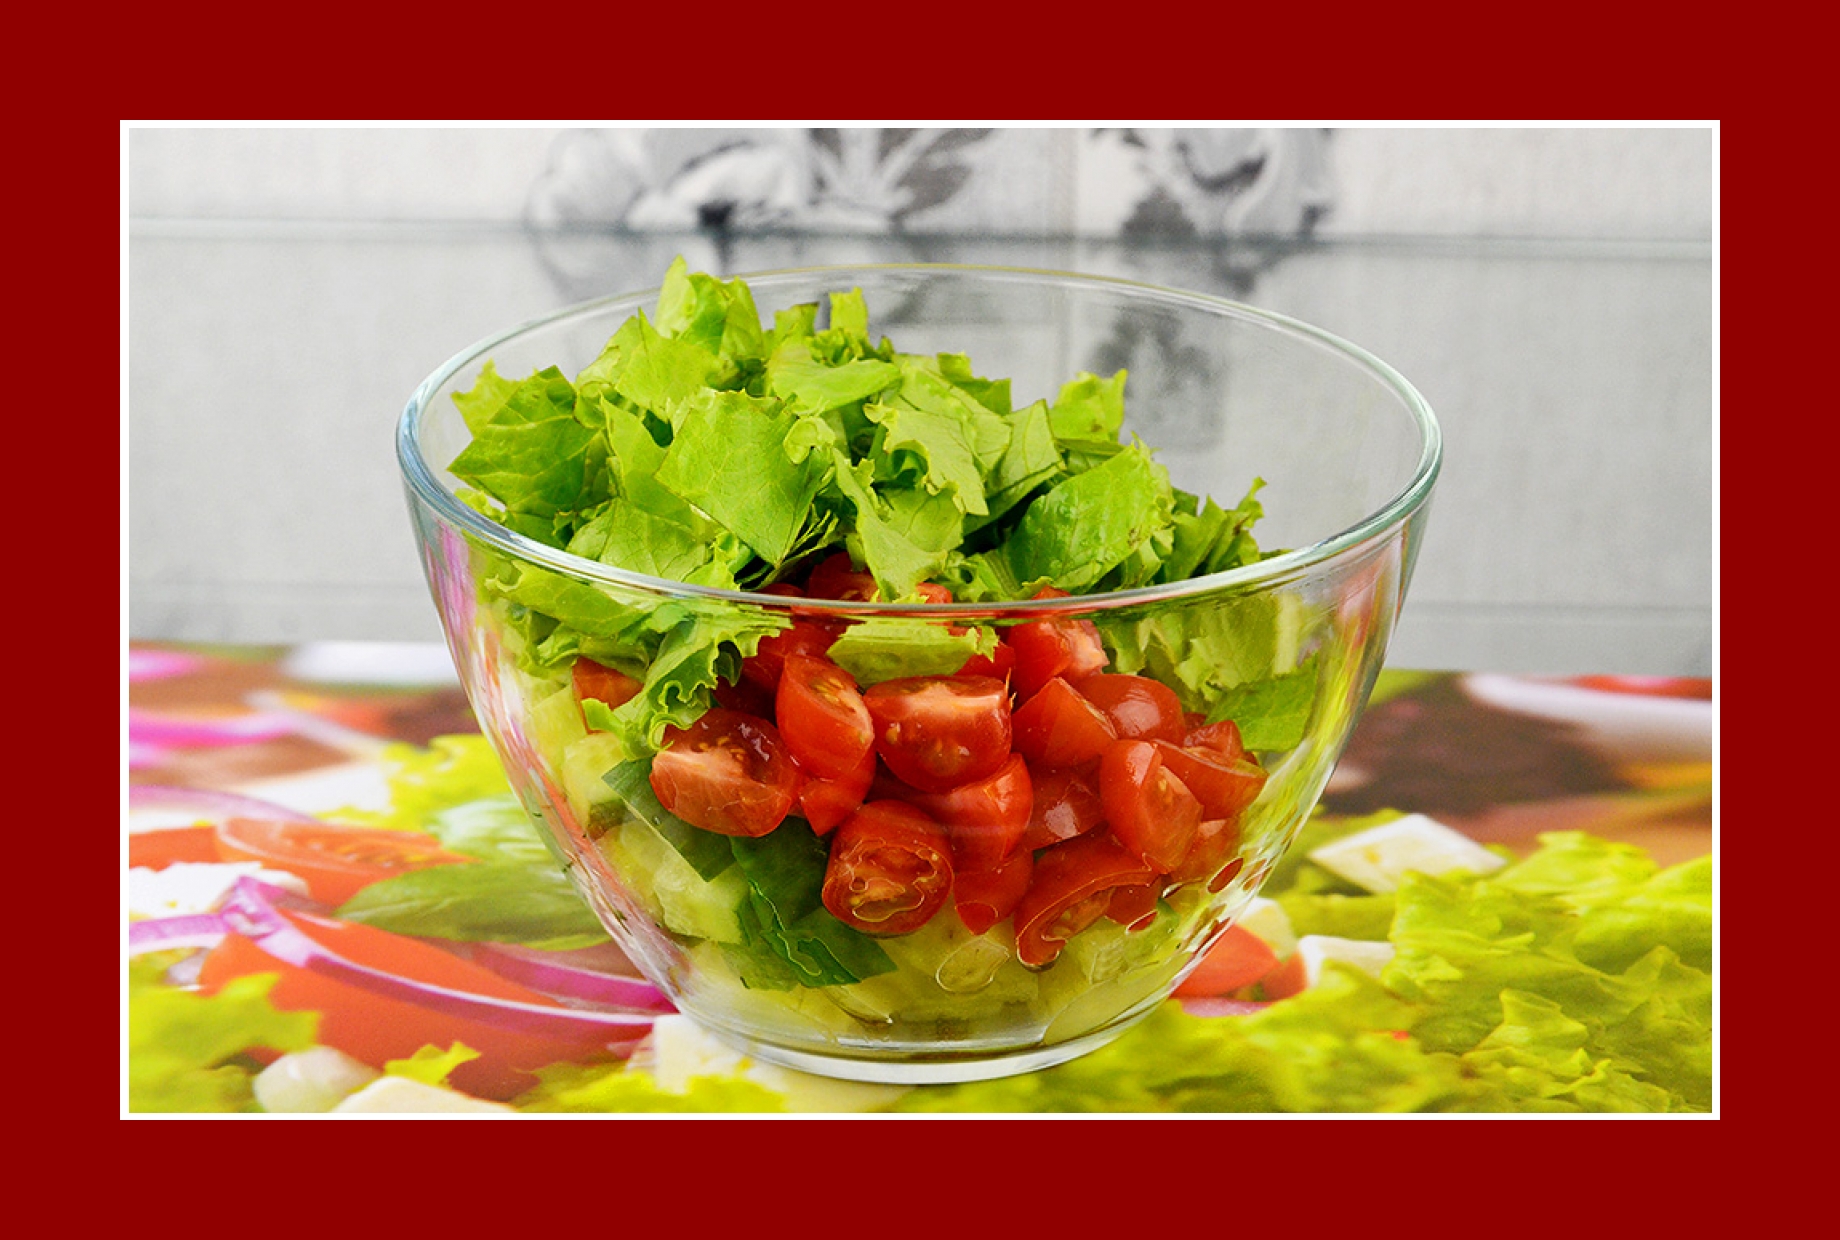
x,y
1571,971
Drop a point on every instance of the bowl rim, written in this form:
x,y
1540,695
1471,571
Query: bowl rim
x,y
424,483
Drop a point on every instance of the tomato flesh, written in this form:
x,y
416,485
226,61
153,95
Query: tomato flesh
x,y
1071,888
936,732
764,666
822,717
335,862
1224,786
1060,727
984,818
986,897
1147,805
1136,706
826,802
608,686
728,772
890,869
1054,646
1066,804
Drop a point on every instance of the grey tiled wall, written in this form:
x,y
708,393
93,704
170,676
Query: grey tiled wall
x,y
1550,290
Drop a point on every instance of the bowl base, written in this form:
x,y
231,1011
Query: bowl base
x,y
917,1067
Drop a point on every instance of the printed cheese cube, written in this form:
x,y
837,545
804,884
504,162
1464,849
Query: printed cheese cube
x,y
1378,857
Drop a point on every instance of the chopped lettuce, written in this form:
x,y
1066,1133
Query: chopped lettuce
x,y
698,447
1577,979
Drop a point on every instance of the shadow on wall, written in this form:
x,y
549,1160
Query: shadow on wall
x,y
924,194
916,186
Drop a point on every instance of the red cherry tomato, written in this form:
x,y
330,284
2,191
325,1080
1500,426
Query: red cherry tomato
x,y
985,818
334,861
609,686
763,667
1222,737
1059,727
985,897
937,732
837,577
890,869
729,773
1066,804
1223,785
1070,890
1149,808
1211,857
822,717
999,664
1133,907
826,802
1054,646
1136,706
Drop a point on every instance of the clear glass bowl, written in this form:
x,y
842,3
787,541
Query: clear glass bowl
x,y
734,929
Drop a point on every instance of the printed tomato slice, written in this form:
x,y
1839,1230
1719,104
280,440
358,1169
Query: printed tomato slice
x,y
164,846
826,802
890,869
334,861
985,897
606,685
822,717
936,732
1223,785
1066,804
1237,958
1060,727
1071,888
1136,706
728,772
1149,808
763,667
985,818
377,1028
1054,646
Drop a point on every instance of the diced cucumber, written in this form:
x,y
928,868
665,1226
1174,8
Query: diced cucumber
x,y
681,900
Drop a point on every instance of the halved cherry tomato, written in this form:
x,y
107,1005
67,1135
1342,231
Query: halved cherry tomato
x,y
837,577
729,773
1211,856
1070,890
1222,736
1149,808
164,846
334,861
769,658
826,802
1223,785
936,732
890,869
377,1028
1066,804
1237,958
744,695
985,897
985,818
609,686
1054,646
999,664
822,717
1059,727
1133,907
1136,705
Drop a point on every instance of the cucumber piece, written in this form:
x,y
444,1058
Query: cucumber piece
x,y
680,899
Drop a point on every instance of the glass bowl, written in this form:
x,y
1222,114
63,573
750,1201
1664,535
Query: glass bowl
x,y
895,924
